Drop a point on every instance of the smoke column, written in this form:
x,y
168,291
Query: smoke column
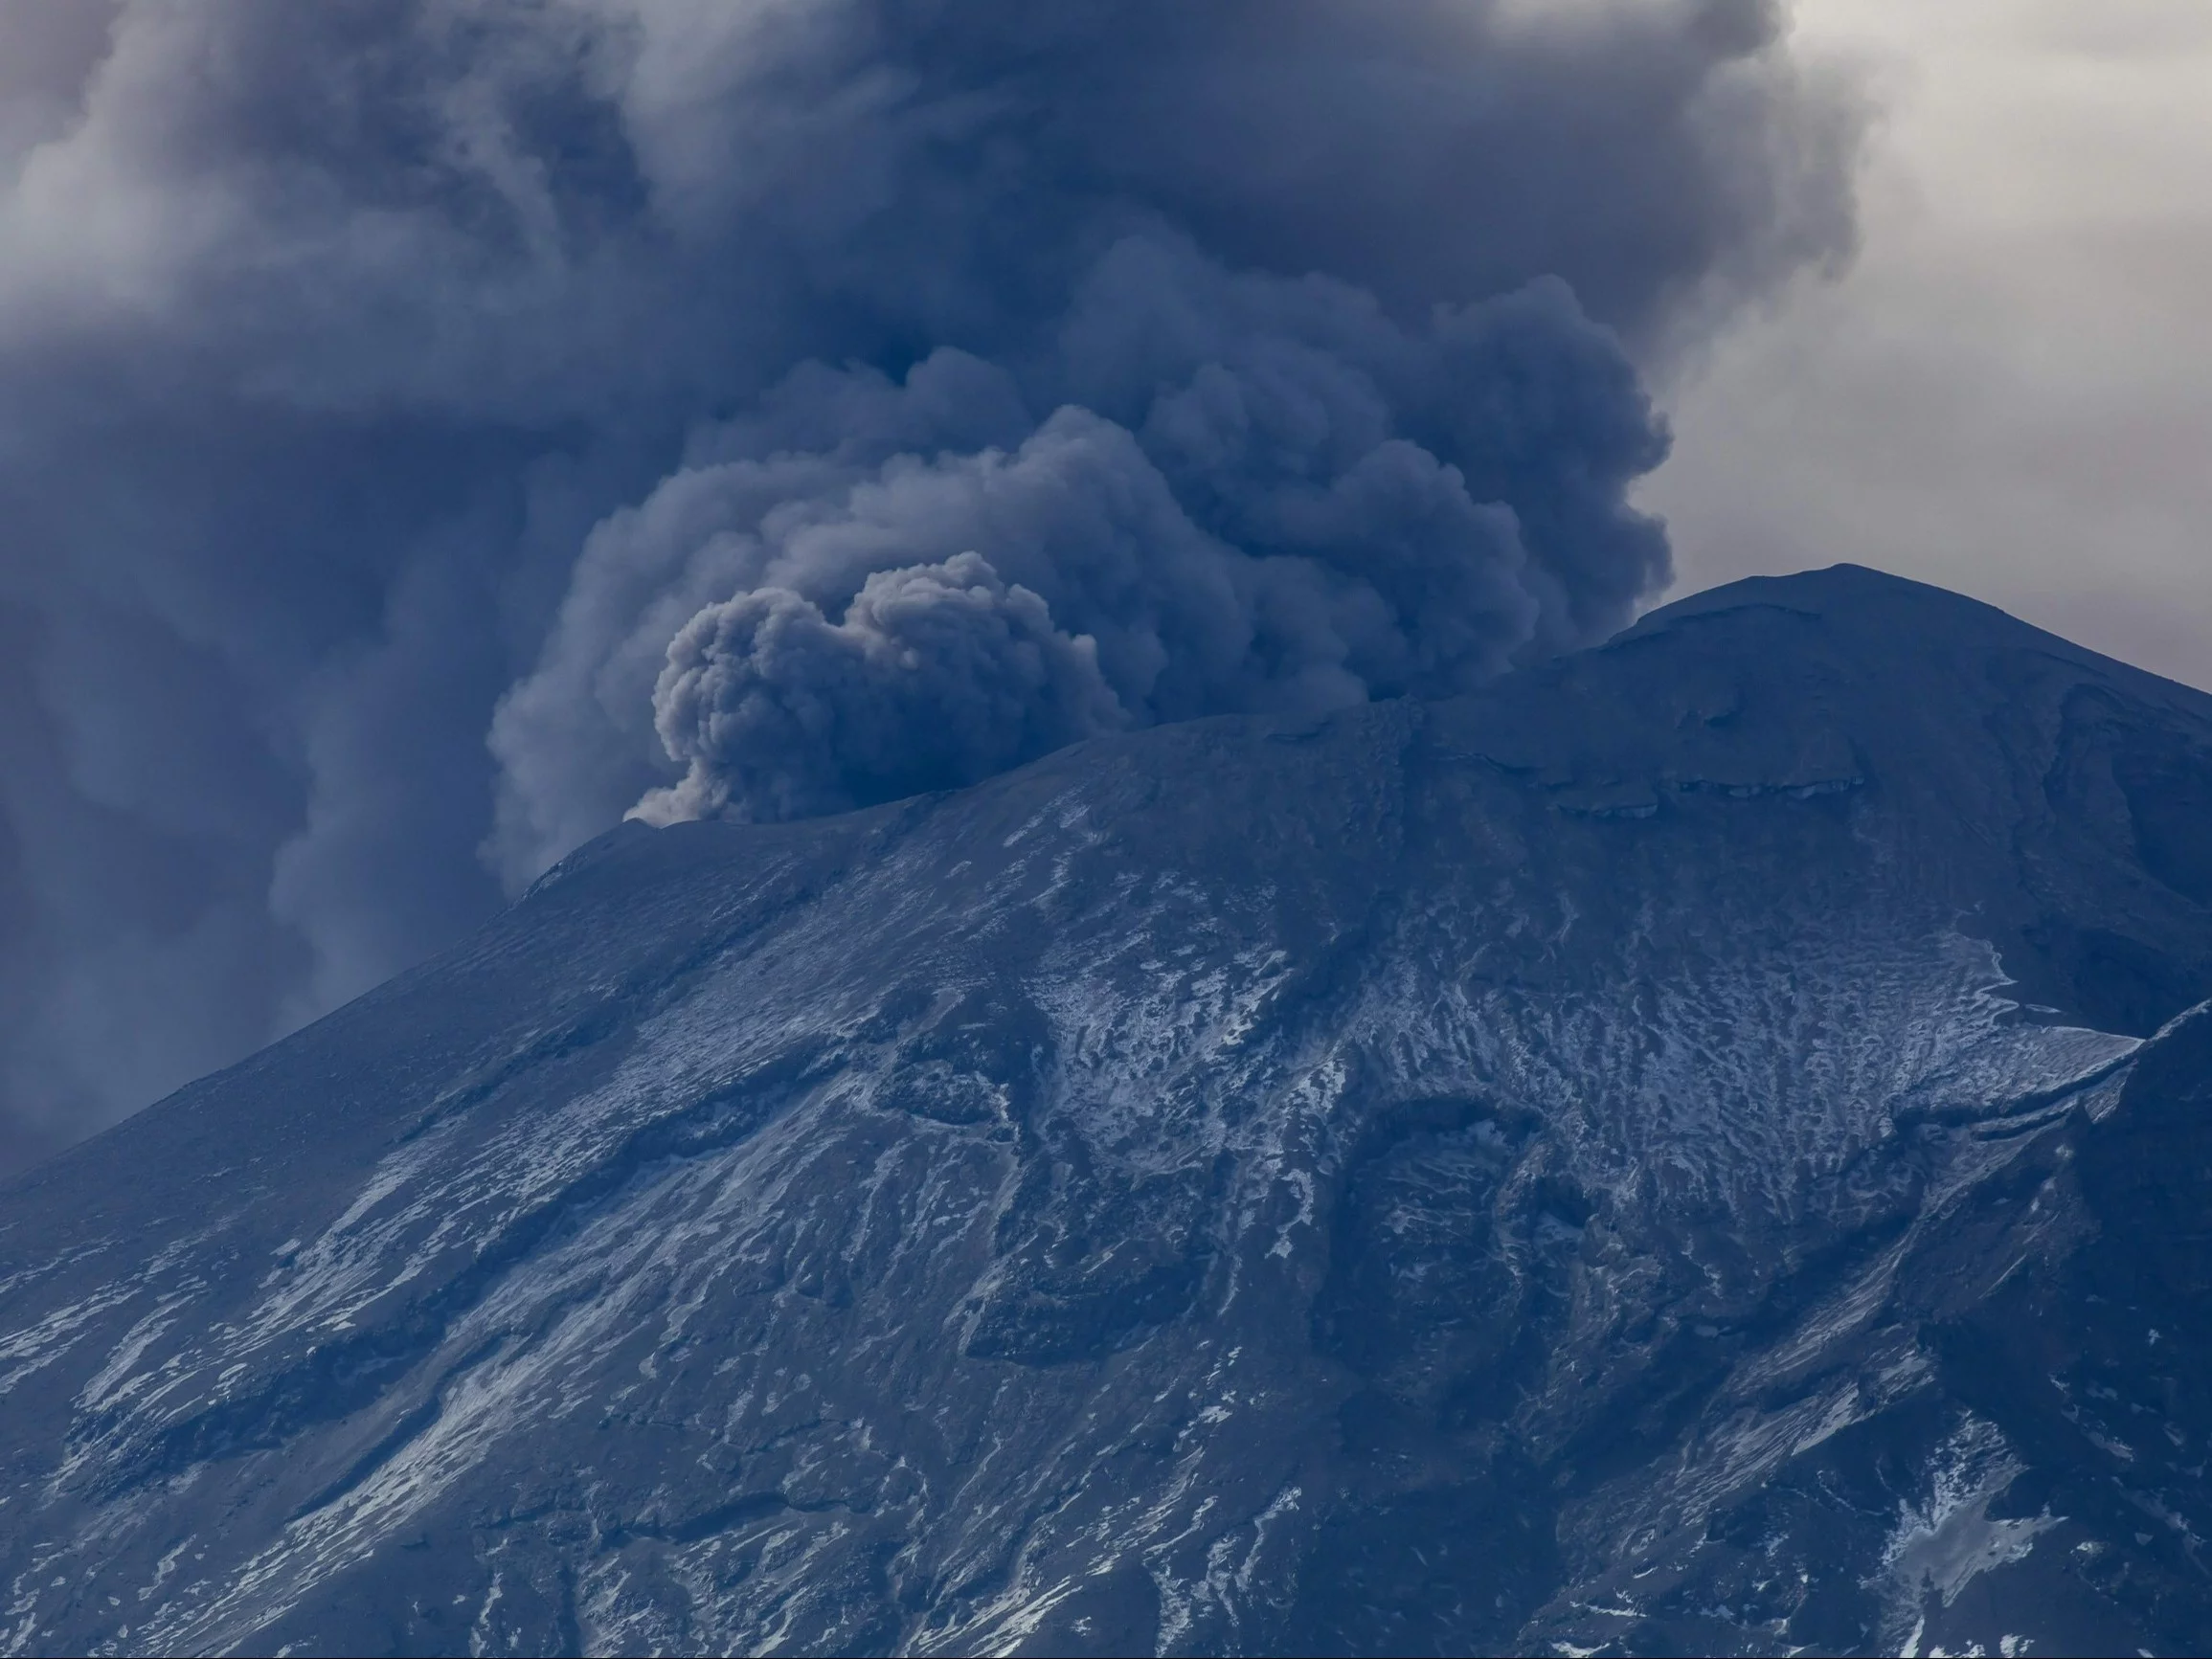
x,y
430,432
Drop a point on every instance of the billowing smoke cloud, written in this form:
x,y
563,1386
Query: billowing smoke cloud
x,y
938,672
1250,493
430,431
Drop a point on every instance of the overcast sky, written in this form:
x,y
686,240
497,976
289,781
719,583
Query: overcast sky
x,y
2011,391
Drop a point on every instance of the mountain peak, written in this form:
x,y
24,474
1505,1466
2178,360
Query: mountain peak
x,y
1841,588
1887,619
1882,616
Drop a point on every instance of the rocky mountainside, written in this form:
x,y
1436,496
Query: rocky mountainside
x,y
1704,1147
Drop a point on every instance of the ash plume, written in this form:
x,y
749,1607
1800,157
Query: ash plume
x,y
434,429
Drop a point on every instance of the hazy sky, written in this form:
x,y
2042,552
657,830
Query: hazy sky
x,y
2011,391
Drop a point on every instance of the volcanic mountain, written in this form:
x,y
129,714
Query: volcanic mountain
x,y
1704,1146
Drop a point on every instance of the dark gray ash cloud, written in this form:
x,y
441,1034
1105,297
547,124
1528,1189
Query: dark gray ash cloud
x,y
430,431
1248,493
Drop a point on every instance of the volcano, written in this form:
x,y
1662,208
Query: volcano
x,y
1704,1146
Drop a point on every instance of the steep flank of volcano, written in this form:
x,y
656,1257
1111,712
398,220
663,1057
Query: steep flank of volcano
x,y
1695,1148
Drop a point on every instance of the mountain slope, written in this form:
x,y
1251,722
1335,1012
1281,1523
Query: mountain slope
x,y
1697,1148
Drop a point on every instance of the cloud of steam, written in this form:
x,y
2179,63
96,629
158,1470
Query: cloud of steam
x,y
772,407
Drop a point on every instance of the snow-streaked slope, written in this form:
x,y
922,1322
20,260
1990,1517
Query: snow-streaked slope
x,y
1510,1172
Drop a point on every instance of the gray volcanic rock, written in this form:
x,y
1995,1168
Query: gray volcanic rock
x,y
1705,1147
